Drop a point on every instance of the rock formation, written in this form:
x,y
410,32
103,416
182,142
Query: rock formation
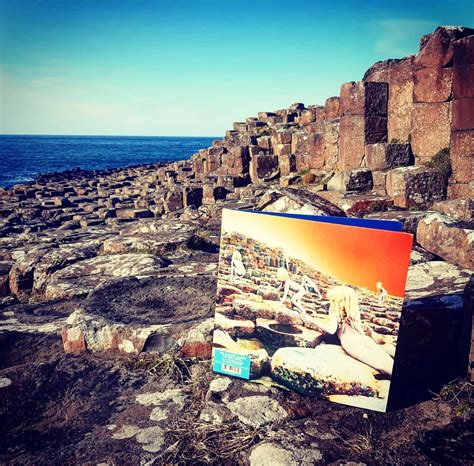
x,y
123,263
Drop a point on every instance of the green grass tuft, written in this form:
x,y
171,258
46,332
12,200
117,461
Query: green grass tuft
x,y
441,162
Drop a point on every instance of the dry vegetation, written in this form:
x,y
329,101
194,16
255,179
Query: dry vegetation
x,y
191,440
459,395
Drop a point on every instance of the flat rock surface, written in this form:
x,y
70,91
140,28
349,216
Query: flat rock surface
x,y
149,301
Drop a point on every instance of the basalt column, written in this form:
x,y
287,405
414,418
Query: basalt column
x,y
461,183
363,121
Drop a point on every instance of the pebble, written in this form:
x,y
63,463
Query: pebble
x,y
5,382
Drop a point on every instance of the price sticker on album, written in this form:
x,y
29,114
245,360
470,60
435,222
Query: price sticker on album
x,y
234,364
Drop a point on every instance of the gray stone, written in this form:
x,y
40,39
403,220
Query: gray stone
x,y
5,382
152,439
257,410
358,179
269,454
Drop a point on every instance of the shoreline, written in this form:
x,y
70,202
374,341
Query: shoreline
x,y
25,157
73,173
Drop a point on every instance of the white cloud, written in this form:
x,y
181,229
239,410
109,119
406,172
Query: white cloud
x,y
400,37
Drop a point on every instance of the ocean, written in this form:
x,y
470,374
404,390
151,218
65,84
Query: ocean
x,y
24,157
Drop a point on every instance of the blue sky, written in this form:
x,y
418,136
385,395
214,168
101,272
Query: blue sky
x,y
191,67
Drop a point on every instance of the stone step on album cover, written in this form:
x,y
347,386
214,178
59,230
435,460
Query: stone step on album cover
x,y
311,304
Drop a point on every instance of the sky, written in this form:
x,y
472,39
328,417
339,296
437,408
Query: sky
x,y
357,256
192,67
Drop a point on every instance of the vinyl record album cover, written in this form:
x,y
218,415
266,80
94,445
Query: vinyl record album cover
x,y
311,303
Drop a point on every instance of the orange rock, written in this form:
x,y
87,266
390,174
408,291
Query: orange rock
x,y
463,114
431,129
73,340
437,49
332,108
464,51
391,71
462,156
199,349
461,190
433,84
463,81
351,141
400,106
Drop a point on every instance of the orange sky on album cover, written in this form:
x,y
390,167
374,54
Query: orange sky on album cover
x,y
357,256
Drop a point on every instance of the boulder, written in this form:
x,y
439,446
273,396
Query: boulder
x,y
197,343
460,209
192,196
359,179
383,156
234,327
363,108
131,315
408,218
32,268
394,70
437,48
287,164
416,186
461,182
432,84
351,141
281,137
332,108
291,200
170,242
270,453
364,98
438,304
268,293
358,205
462,114
451,239
399,74
173,200
287,316
95,334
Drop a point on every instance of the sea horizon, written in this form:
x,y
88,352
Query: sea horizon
x,y
23,157
108,135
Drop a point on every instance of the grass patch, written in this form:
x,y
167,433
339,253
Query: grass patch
x,y
458,394
441,162
166,365
361,442
193,441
